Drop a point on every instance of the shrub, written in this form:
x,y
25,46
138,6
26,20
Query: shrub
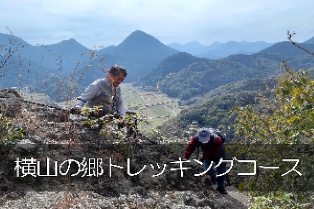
x,y
9,135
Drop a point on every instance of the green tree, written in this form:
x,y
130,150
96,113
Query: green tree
x,y
285,118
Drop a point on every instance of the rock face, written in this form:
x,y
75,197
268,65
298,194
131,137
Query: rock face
x,y
106,171
12,106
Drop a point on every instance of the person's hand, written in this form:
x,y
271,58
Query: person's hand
x,y
194,163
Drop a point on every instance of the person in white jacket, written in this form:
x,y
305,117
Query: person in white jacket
x,y
105,92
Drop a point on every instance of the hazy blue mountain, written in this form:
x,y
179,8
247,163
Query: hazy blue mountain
x,y
62,56
16,70
138,53
71,52
192,47
21,72
310,41
6,39
220,50
107,50
286,48
140,45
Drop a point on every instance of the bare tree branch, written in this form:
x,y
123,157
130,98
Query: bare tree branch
x,y
290,36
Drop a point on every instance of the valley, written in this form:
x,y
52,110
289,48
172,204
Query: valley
x,y
155,106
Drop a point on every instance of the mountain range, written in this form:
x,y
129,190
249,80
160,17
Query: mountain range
x,y
220,50
192,77
138,53
148,62
61,56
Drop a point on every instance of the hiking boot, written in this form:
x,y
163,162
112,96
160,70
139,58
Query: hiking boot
x,y
222,191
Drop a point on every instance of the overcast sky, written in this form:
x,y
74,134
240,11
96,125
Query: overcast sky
x,y
108,22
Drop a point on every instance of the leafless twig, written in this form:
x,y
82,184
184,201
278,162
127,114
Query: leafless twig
x,y
290,36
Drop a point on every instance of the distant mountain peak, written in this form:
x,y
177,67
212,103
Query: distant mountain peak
x,y
193,43
216,43
139,36
139,32
71,41
143,43
140,44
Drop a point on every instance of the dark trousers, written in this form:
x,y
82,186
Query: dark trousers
x,y
220,170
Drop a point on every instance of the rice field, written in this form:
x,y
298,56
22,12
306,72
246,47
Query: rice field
x,y
157,107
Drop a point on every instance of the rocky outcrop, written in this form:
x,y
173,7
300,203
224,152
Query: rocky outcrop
x,y
133,173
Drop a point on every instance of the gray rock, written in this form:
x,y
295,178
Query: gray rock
x,y
12,105
25,145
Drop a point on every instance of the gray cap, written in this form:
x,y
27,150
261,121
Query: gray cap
x,y
203,134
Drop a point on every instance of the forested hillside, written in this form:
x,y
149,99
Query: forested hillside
x,y
212,110
195,77
286,48
172,64
216,107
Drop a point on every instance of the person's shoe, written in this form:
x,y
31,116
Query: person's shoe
x,y
222,191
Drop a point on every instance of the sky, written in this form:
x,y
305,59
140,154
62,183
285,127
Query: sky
x,y
101,23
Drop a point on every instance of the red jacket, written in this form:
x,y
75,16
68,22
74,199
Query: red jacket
x,y
211,152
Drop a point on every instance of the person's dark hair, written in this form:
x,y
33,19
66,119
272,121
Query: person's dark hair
x,y
116,70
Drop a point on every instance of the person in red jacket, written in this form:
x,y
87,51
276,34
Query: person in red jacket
x,y
211,142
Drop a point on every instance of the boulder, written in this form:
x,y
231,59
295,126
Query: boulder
x,y
10,102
